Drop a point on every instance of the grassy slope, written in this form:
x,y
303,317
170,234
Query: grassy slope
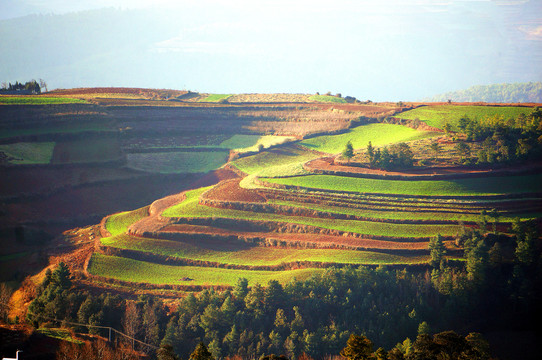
x,y
398,215
145,272
378,134
191,208
246,143
460,187
215,97
255,255
119,223
29,153
284,161
177,162
438,115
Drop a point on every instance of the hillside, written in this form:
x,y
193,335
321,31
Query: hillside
x,y
496,93
257,209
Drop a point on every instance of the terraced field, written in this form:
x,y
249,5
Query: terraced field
x,y
439,115
378,134
279,219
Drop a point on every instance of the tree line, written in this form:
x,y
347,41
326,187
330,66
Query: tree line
x,y
29,87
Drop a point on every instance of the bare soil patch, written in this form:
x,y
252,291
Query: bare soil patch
x,y
230,190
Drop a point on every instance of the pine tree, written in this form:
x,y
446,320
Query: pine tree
x,y
348,151
357,348
201,353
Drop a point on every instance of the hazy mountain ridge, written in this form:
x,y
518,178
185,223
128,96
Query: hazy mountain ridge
x,y
530,92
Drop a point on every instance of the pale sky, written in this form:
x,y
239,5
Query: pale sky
x,y
379,50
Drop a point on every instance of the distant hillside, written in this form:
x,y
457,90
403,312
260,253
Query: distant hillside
x,y
500,93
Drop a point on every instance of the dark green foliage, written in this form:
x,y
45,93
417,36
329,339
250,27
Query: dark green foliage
x,y
348,151
357,348
437,250
201,353
395,156
445,345
30,87
165,352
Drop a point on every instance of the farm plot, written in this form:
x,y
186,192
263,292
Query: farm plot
x,y
251,143
438,115
246,255
27,152
402,211
87,150
378,134
286,160
191,209
118,223
38,100
177,162
145,272
461,187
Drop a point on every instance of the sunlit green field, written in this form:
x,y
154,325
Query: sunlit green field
x,y
377,134
215,97
438,115
145,272
119,223
403,211
460,187
245,254
191,208
287,160
245,143
37,100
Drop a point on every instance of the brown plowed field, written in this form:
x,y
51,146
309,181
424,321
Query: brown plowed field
x,y
229,190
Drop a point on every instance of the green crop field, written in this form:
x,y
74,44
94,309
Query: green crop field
x,y
284,161
146,272
191,208
118,223
327,98
460,187
406,214
378,134
177,162
215,97
29,152
438,115
38,100
246,143
256,255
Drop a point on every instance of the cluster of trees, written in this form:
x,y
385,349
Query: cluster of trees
x,y
444,345
30,87
499,283
393,157
504,140
144,319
